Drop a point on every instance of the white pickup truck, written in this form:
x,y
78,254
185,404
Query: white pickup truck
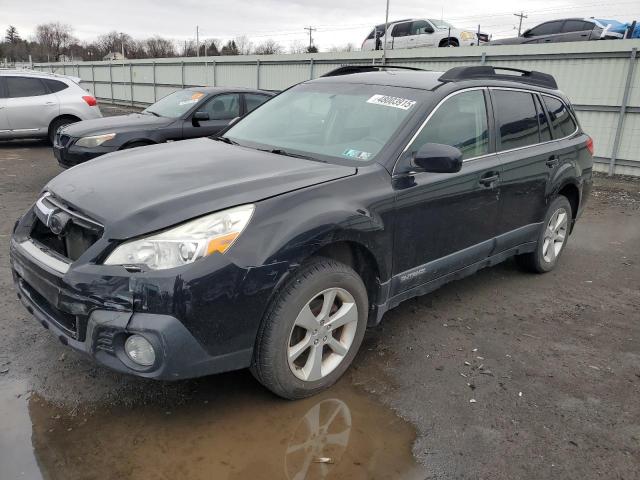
x,y
421,32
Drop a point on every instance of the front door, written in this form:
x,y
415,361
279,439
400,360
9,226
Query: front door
x,y
445,222
221,109
400,35
421,34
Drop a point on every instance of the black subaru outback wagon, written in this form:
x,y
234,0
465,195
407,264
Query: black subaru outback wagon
x,y
275,245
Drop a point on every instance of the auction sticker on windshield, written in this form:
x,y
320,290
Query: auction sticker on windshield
x,y
195,98
395,102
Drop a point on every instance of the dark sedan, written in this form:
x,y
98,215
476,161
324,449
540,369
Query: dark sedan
x,y
190,113
564,30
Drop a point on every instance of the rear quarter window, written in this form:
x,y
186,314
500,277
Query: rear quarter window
x,y
562,122
54,85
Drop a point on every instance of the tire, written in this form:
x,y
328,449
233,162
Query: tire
x,y
551,240
452,43
284,353
56,124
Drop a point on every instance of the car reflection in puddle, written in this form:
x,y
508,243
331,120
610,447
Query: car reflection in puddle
x,y
229,428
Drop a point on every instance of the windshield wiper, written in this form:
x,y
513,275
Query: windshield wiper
x,y
279,151
225,140
152,113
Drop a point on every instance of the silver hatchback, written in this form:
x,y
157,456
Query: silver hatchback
x,y
37,104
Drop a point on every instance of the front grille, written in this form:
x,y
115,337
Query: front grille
x,y
68,322
63,230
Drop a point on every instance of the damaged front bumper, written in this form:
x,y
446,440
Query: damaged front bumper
x,y
200,320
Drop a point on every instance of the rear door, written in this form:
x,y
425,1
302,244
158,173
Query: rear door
x,y
446,221
576,31
400,35
528,159
221,110
30,106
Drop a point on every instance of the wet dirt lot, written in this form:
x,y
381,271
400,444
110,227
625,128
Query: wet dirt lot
x,y
552,363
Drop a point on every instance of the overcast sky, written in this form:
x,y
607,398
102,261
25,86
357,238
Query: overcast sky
x,y
337,21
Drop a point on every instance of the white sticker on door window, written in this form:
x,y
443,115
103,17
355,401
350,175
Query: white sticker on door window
x,y
395,102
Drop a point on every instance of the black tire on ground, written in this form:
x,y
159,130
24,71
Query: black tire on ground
x,y
451,43
56,124
537,261
135,145
270,364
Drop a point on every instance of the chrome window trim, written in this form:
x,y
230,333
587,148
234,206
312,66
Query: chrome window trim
x,y
30,248
534,92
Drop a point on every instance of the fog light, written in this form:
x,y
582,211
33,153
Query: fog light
x,y
140,350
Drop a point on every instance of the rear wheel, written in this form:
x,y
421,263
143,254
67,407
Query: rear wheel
x,y
57,124
312,331
552,238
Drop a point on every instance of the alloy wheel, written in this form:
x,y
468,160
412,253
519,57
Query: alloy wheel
x,y
322,334
555,235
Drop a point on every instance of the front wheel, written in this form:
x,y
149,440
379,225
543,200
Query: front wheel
x,y
551,240
312,331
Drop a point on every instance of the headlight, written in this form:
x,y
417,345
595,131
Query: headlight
x,y
467,36
95,141
186,243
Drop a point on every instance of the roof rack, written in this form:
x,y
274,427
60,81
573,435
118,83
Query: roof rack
x,y
458,74
349,69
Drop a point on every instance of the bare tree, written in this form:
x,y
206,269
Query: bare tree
x,y
297,46
349,47
230,48
268,47
114,42
245,46
158,47
54,37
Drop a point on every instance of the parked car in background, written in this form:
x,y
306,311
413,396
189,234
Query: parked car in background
x,y
274,245
421,32
564,30
36,104
188,113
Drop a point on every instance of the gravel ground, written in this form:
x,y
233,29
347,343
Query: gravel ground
x,y
503,375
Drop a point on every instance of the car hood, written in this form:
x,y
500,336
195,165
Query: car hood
x,y
119,124
141,190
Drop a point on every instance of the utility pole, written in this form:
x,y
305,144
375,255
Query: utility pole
x,y
197,41
311,30
386,26
521,15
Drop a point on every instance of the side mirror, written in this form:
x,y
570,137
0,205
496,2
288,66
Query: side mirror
x,y
199,117
428,30
437,158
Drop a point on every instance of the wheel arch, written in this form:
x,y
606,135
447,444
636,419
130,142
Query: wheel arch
x,y
445,39
145,140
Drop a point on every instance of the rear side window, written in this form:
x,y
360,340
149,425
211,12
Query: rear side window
x,y
460,122
54,85
545,130
517,119
18,87
576,26
401,30
253,101
561,121
223,107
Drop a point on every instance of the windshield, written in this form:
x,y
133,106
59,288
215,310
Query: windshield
x,y
352,122
176,104
441,24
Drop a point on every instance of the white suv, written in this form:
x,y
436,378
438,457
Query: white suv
x,y
37,104
421,32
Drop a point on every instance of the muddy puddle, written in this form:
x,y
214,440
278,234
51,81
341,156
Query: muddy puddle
x,y
228,428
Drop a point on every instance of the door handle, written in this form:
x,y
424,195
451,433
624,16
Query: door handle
x,y
489,179
553,161
49,104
